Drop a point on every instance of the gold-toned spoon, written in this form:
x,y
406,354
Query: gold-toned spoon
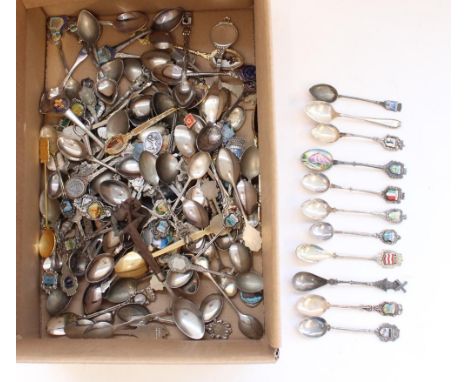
x,y
116,144
46,243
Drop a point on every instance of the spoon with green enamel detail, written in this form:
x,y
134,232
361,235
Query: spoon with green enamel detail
x,y
314,305
323,112
325,231
324,133
316,327
319,160
319,209
327,93
306,281
319,183
313,254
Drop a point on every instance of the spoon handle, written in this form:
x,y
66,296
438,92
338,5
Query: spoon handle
x,y
72,117
354,257
387,104
385,122
131,40
150,122
82,55
379,167
383,284
355,189
380,214
365,234
206,56
352,330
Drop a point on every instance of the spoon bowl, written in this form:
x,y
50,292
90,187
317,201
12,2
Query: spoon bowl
x,y
114,192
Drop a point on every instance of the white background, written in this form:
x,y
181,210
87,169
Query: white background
x,y
383,50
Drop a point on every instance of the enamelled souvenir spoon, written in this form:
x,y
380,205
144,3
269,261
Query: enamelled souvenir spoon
x,y
319,160
325,231
316,327
324,133
319,209
313,254
314,305
327,93
323,112
319,183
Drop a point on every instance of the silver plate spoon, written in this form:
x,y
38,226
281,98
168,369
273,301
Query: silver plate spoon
x,y
240,257
323,112
195,214
114,192
248,196
314,305
319,183
167,167
112,69
92,299
249,282
316,327
324,133
212,306
313,254
128,22
327,93
89,30
319,209
118,123
154,58
250,163
185,140
99,268
167,20
57,302
248,325
325,231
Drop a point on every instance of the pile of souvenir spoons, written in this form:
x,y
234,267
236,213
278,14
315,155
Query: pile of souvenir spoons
x,y
317,161
151,182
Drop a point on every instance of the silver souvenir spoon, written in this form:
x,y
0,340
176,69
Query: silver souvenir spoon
x,y
313,254
319,160
327,93
319,183
316,327
323,112
314,305
324,133
325,231
319,209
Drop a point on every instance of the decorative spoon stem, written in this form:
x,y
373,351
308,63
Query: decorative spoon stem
x,y
386,122
387,104
383,284
389,142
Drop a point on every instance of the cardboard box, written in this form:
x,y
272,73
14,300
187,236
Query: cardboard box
x,y
38,67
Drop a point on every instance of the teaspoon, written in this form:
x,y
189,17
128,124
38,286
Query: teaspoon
x,y
325,231
306,281
319,160
316,327
323,112
324,133
314,305
319,209
319,183
327,93
313,254
128,22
